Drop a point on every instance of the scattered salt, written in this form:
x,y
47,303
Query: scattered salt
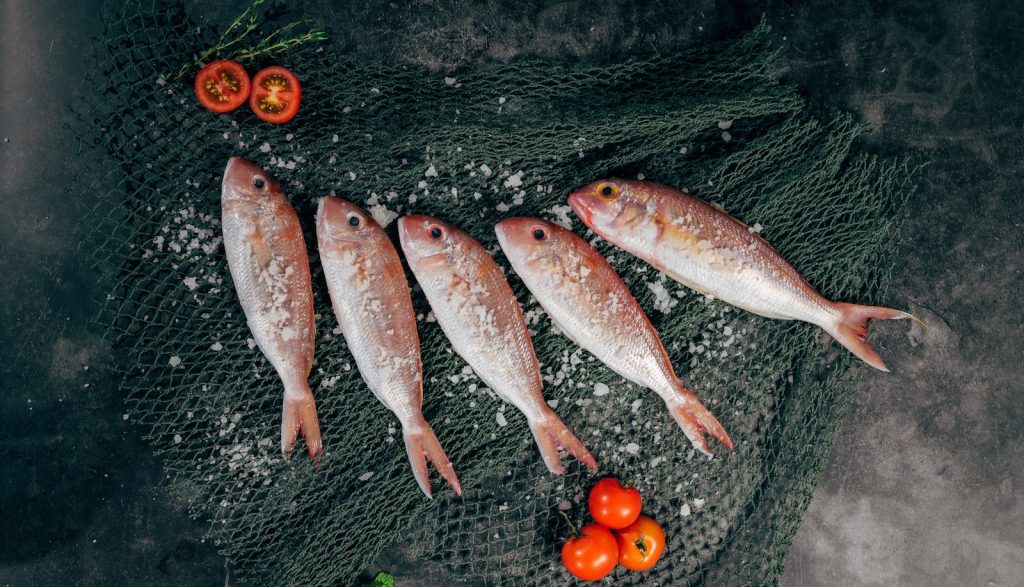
x,y
685,510
515,180
430,172
698,503
501,419
366,476
190,283
175,361
449,81
725,124
177,438
265,148
600,389
216,346
632,448
382,215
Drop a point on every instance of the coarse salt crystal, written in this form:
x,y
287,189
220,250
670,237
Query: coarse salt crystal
x,y
501,419
175,361
632,448
430,172
366,476
600,389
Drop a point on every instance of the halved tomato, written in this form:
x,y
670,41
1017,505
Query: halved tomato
x,y
222,86
275,95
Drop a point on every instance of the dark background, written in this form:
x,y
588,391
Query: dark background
x,y
924,485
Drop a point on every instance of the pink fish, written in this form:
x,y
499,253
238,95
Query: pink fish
x,y
588,301
267,259
478,312
373,305
711,252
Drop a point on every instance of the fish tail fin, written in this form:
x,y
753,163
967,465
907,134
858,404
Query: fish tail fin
x,y
422,446
299,415
550,433
695,419
851,329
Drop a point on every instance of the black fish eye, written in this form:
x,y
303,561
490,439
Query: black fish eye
x,y
353,220
435,232
258,183
607,190
538,233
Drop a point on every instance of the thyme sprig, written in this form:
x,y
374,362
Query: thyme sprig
x,y
241,29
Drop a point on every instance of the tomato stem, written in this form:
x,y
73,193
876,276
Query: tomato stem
x,y
641,545
572,528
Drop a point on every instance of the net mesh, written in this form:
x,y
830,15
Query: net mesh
x,y
502,141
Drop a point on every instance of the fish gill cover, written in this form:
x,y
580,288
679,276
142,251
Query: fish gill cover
x,y
507,140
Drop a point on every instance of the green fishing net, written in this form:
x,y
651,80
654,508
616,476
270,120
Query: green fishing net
x,y
503,141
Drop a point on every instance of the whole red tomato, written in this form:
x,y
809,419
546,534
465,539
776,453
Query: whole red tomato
x,y
640,544
590,554
613,505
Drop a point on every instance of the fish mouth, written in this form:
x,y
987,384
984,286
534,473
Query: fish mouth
x,y
576,202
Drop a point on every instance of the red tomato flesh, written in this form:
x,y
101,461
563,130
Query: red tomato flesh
x,y
275,95
640,544
222,86
613,505
591,555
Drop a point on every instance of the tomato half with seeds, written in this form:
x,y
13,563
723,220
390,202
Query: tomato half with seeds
x,y
640,544
275,95
222,86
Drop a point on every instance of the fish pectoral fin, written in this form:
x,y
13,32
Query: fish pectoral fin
x,y
261,252
550,433
422,446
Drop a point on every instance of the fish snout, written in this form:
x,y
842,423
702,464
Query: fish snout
x,y
578,201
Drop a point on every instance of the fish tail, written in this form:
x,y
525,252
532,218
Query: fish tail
x,y
550,433
695,419
422,446
299,415
851,329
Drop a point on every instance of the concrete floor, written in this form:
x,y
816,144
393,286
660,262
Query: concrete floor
x,y
924,486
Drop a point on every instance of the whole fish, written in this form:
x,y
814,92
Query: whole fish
x,y
373,305
479,314
587,300
267,258
713,253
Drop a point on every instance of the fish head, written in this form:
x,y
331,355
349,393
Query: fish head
x,y
532,243
607,204
246,183
340,224
426,240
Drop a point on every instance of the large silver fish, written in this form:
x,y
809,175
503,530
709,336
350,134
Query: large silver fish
x,y
479,314
267,258
588,301
711,252
373,305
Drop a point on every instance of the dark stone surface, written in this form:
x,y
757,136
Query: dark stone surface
x,y
924,483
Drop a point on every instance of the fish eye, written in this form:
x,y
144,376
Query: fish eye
x,y
539,233
353,220
607,190
436,232
258,183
